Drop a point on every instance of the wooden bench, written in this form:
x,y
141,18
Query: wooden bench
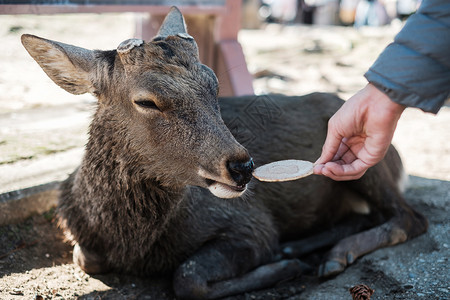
x,y
213,23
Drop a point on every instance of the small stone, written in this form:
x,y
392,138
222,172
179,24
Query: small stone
x,y
408,286
16,292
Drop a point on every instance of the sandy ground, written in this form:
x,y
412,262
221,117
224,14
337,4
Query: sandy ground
x,y
43,129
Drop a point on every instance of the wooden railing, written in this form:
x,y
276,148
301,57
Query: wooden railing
x,y
213,23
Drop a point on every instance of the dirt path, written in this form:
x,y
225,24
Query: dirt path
x,y
35,261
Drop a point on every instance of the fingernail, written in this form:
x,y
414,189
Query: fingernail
x,y
317,169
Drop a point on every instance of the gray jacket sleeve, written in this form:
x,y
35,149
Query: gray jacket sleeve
x,y
415,69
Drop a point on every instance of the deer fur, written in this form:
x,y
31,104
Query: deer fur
x,y
148,197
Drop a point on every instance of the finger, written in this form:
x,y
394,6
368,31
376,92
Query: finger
x,y
348,158
326,172
317,169
343,148
354,168
339,171
330,147
374,151
345,158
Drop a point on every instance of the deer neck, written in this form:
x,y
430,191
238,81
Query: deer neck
x,y
113,177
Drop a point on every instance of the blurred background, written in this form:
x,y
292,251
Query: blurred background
x,y
291,47
327,12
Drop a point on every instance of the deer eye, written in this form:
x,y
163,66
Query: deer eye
x,y
147,104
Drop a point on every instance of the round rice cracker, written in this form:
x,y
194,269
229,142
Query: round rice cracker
x,y
284,170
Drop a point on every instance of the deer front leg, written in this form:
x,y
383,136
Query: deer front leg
x,y
381,187
89,261
397,230
351,225
219,270
262,277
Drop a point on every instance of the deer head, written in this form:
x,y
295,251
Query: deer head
x,y
158,102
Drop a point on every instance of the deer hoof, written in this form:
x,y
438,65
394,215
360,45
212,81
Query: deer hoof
x,y
331,268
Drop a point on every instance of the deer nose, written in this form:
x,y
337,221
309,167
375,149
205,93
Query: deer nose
x,y
241,172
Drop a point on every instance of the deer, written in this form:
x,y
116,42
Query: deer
x,y
165,185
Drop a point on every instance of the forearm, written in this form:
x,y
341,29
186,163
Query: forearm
x,y
415,69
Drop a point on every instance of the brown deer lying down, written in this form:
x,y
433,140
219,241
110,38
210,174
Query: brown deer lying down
x,y
147,198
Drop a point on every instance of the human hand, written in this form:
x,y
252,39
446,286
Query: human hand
x,y
359,135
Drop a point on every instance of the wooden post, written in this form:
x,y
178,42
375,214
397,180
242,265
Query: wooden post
x,y
230,64
216,36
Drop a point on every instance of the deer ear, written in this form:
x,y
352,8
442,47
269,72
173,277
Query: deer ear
x,y
68,66
173,24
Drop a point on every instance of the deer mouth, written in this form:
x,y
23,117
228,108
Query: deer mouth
x,y
237,188
220,189
226,191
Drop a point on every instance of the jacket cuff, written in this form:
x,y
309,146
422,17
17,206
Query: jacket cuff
x,y
401,96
